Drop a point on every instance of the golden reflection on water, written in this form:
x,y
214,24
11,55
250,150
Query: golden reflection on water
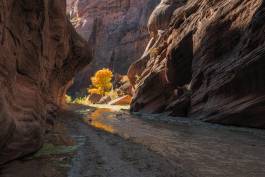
x,y
95,119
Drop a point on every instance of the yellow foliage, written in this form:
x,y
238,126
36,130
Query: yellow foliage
x,y
68,99
81,100
94,91
101,82
153,52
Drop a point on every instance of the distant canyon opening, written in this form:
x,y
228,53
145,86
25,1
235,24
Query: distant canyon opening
x,y
117,33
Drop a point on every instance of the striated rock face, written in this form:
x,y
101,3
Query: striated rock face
x,y
40,53
117,29
207,64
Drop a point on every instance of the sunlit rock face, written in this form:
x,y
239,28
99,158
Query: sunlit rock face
x,y
208,63
40,53
117,29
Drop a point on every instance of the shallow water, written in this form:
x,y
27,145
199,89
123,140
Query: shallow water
x,y
114,143
205,150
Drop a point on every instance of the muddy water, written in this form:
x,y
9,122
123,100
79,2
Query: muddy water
x,y
114,143
204,150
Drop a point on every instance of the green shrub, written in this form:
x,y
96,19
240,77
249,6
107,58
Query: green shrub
x,y
81,100
68,99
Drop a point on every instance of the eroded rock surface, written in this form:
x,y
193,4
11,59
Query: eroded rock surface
x,y
40,53
117,29
209,61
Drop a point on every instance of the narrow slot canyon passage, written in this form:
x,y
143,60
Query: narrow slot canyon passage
x,y
132,88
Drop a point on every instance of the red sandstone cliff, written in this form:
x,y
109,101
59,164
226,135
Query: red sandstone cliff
x,y
117,29
39,53
205,60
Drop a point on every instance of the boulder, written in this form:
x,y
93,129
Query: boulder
x,y
122,101
126,88
179,107
104,100
94,98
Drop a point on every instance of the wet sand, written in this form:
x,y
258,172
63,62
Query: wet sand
x,y
113,143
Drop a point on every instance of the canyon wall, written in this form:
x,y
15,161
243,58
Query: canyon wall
x,y
40,53
205,60
117,29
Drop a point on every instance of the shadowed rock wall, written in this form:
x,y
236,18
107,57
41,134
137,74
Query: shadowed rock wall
x,y
207,64
40,53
